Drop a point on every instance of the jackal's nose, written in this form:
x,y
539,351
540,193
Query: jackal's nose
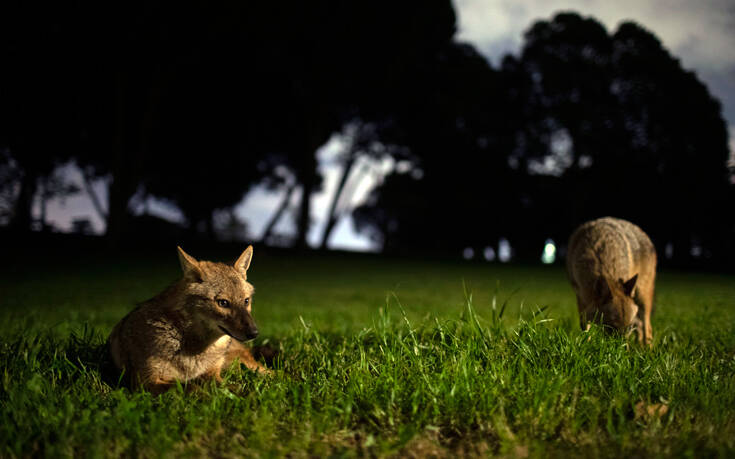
x,y
252,333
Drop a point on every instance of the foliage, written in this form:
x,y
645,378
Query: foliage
x,y
199,103
630,114
583,123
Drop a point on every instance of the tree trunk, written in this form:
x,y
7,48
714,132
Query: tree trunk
x,y
118,215
333,215
307,176
44,197
304,220
96,203
121,189
21,219
279,213
130,146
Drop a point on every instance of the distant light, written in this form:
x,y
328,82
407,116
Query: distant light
x,y
489,253
584,161
417,174
403,166
669,250
468,253
549,254
504,250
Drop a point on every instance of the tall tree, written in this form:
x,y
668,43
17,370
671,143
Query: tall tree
x,y
240,80
678,145
454,192
361,145
341,67
583,123
38,123
606,110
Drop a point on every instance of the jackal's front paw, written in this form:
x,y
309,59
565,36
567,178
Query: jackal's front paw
x,y
265,371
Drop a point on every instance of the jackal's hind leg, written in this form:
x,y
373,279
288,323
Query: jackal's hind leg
x,y
644,299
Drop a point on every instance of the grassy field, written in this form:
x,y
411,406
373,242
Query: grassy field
x,y
378,357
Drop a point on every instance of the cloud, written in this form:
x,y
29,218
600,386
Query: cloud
x,y
701,33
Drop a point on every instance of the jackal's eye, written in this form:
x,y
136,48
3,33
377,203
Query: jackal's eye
x,y
247,301
223,303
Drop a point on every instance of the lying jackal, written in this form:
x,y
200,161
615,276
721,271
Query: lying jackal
x,y
612,267
187,331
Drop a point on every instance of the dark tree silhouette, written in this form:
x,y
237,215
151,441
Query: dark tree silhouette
x,y
350,59
155,85
38,124
362,145
452,122
197,102
582,124
264,85
678,147
9,173
569,121
614,126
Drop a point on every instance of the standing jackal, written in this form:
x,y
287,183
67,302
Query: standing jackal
x,y
187,331
612,268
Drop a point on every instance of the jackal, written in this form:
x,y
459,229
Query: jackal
x,y
612,267
186,332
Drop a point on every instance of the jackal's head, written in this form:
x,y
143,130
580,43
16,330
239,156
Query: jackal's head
x,y
219,296
616,302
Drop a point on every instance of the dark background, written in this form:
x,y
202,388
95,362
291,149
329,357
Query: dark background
x,y
196,104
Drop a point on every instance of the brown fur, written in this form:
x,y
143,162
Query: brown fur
x,y
612,267
186,332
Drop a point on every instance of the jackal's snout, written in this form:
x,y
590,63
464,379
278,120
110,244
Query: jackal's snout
x,y
247,327
251,330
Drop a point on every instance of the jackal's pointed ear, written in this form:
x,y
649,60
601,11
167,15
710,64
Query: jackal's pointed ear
x,y
629,285
189,265
243,263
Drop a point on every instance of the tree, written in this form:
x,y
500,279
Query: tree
x,y
568,121
219,73
453,193
9,174
361,145
581,124
340,68
606,110
38,123
678,147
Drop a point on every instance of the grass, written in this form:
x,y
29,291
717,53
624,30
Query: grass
x,y
378,357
